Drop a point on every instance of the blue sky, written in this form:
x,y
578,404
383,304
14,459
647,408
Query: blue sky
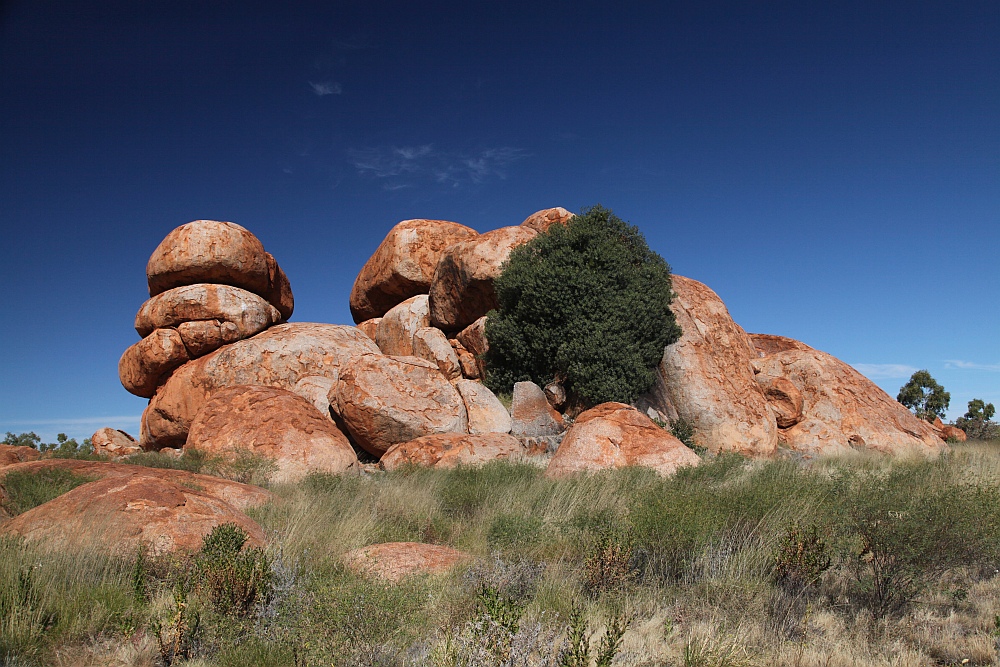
x,y
832,170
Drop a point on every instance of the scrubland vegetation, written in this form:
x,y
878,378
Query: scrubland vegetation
x,y
857,561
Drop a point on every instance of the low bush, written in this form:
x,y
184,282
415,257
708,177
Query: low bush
x,y
24,490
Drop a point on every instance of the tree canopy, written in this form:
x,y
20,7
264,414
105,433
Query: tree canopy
x,y
585,304
924,396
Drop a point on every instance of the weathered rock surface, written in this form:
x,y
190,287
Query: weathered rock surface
x,y
394,335
386,400
121,513
278,357
370,327
240,496
615,435
316,390
486,413
431,344
275,424
706,377
466,360
11,454
447,450
784,398
394,561
530,412
114,444
249,312
462,288
473,339
403,265
844,410
204,336
542,220
766,344
145,365
209,251
946,431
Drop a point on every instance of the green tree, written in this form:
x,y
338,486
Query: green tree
x,y
924,396
585,304
976,422
23,440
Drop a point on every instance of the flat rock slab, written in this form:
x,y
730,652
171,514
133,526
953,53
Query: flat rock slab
x,y
447,450
615,435
394,561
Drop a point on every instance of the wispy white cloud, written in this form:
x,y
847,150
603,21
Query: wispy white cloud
x,y
885,371
324,88
406,165
971,365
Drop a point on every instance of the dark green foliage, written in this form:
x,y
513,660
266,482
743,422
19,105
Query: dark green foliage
x,y
586,303
64,447
924,396
577,653
23,440
28,489
513,530
235,579
976,422
192,460
802,559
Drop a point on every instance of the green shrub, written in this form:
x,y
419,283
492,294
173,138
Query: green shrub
x,y
28,489
586,303
191,460
801,560
236,580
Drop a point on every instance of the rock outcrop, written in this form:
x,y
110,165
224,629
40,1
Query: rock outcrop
x,y
615,435
473,339
707,380
275,424
249,313
403,265
278,357
386,400
462,288
486,413
540,221
121,513
530,412
146,365
114,444
432,345
842,409
394,561
394,335
447,450
11,454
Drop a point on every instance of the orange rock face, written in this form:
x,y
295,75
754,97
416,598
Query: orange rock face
x,y
145,365
844,410
250,313
784,398
121,513
944,431
473,338
394,335
278,357
486,413
706,377
542,220
403,265
766,344
386,400
394,561
369,327
447,450
240,496
615,435
432,345
466,360
530,412
462,288
10,454
209,251
273,423
114,444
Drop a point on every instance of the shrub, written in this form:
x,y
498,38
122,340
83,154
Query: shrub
x,y
28,489
587,304
801,560
235,579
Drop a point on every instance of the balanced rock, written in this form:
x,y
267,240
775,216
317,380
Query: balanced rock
x,y
114,444
462,288
394,561
542,220
844,410
209,251
486,413
249,312
122,513
530,412
146,365
432,345
447,450
403,265
615,435
394,335
385,400
240,496
706,378
274,424
278,357
11,454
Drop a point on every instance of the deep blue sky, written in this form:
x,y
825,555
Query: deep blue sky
x,y
832,170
